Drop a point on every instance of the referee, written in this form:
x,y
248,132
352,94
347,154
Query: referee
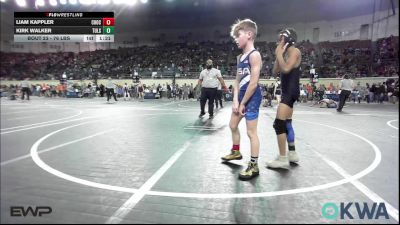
x,y
346,86
209,80
110,86
25,88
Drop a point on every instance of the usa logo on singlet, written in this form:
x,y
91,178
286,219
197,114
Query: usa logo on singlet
x,y
243,72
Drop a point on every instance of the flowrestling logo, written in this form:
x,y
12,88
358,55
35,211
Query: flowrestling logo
x,y
363,210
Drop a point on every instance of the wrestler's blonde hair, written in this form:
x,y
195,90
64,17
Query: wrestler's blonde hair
x,y
245,25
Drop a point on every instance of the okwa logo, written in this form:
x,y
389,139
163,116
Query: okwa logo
x,y
364,210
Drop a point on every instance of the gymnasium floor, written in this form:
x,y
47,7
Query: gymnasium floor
x,y
156,162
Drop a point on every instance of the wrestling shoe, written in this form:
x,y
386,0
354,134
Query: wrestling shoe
x,y
293,157
281,162
251,172
235,155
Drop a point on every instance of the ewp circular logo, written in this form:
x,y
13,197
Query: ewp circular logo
x,y
330,211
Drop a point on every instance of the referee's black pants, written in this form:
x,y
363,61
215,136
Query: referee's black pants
x,y
25,90
208,94
344,94
110,91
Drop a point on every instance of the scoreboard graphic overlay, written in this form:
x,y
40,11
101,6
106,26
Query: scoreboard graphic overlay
x,y
64,26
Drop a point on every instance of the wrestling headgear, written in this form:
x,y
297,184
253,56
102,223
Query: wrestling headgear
x,y
289,35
